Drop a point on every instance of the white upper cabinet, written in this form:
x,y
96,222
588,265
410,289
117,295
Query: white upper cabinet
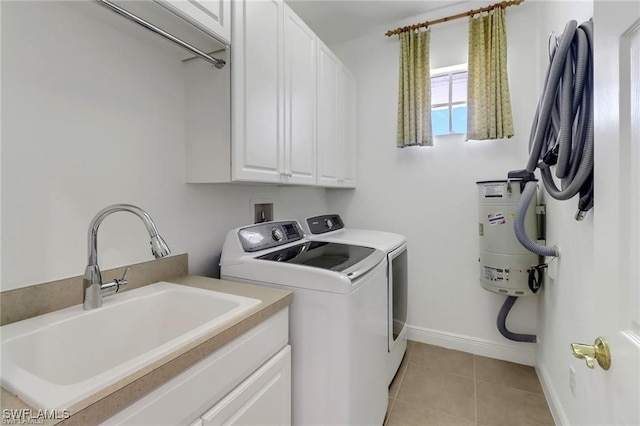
x,y
257,90
292,117
336,122
274,94
348,126
328,134
300,101
211,16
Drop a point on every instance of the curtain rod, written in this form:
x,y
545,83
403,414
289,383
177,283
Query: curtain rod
x,y
503,5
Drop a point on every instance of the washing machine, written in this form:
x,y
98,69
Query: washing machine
x,y
338,318
330,228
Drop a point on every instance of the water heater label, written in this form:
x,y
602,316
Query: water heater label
x,y
494,190
496,219
493,274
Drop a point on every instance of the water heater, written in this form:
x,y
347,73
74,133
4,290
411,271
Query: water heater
x,y
505,264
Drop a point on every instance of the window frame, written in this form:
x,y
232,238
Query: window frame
x,y
449,71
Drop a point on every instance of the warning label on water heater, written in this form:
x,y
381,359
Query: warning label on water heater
x,y
496,219
493,190
493,274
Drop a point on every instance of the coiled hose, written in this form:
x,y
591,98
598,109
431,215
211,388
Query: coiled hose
x,y
561,135
562,130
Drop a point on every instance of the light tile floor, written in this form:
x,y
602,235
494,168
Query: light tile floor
x,y
438,386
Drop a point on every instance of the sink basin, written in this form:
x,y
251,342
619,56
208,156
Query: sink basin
x,y
55,360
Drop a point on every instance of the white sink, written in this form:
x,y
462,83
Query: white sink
x,y
55,360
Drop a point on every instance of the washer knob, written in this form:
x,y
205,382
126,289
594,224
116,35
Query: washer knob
x,y
328,223
276,234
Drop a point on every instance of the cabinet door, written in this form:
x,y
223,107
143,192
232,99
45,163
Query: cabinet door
x,y
257,88
328,133
211,16
348,127
300,100
264,398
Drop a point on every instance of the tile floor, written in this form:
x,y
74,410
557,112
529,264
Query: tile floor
x,y
438,386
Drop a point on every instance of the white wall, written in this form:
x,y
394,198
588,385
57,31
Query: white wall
x,y
565,310
429,193
91,116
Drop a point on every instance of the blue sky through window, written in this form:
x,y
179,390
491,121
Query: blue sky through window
x,y
440,122
449,96
459,122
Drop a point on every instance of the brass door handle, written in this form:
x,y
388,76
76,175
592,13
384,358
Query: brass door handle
x,y
599,351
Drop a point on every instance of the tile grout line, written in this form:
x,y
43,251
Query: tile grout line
x,y
428,367
475,391
388,415
393,400
408,355
511,387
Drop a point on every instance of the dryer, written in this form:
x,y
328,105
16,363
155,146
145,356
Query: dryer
x,y
330,228
337,321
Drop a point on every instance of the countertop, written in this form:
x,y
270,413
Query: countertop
x,y
108,401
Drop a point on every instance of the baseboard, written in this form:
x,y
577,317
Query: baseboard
x,y
525,355
559,416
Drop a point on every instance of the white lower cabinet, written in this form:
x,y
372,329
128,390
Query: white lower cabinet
x,y
247,381
262,399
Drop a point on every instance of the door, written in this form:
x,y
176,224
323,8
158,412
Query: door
x,y
257,79
328,131
398,285
348,126
615,393
300,101
264,398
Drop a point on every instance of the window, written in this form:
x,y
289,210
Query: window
x,y
449,100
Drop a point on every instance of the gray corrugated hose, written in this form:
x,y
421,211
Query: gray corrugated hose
x,y
562,130
502,323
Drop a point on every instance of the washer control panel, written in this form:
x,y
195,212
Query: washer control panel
x,y
325,223
270,234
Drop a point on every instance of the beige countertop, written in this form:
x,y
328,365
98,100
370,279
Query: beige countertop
x,y
110,400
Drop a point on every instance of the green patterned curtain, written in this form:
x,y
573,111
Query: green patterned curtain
x,y
414,91
488,103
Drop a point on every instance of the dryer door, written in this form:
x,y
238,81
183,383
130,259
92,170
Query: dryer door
x,y
398,282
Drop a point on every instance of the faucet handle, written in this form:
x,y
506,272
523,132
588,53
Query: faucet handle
x,y
122,283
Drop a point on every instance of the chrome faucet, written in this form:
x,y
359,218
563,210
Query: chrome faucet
x,y
94,289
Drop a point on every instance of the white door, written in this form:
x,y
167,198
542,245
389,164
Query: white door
x,y
264,398
257,78
348,126
300,100
615,394
328,131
